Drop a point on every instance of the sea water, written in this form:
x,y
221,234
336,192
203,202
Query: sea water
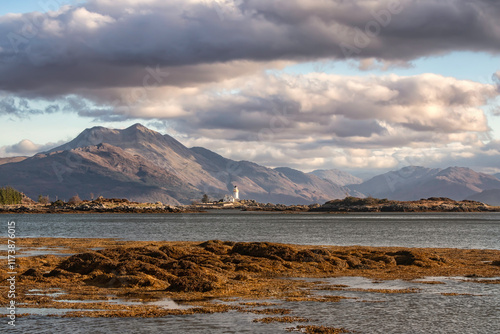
x,y
433,309
447,230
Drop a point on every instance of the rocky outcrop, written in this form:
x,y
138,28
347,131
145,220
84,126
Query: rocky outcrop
x,y
433,204
98,206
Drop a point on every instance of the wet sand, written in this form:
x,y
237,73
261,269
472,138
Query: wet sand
x,y
117,278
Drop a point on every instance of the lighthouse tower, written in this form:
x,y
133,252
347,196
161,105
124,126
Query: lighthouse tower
x,y
236,193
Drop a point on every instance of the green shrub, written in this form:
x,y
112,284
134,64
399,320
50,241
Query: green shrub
x,y
58,203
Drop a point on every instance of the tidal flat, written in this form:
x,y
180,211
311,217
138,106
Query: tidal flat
x,y
114,278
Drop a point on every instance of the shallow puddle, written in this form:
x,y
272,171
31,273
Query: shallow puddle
x,y
45,311
47,293
165,303
36,251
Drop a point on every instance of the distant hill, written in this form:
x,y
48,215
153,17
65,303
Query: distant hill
x,y
103,170
4,161
143,165
337,176
413,183
491,197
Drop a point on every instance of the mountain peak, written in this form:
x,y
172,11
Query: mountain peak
x,y
138,126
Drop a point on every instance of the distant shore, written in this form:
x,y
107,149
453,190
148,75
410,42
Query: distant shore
x,y
346,205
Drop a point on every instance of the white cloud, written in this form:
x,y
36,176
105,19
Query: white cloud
x,y
26,148
82,19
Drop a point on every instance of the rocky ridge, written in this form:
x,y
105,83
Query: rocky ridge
x,y
433,204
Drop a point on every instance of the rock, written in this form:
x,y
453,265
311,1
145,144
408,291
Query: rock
x,y
265,249
85,263
216,247
308,256
33,273
57,272
173,252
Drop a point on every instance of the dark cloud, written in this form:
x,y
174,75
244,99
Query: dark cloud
x,y
199,66
103,43
21,107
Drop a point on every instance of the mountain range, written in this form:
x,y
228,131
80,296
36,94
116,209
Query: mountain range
x,y
415,182
491,197
143,165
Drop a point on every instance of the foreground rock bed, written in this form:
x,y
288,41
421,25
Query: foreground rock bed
x,y
197,272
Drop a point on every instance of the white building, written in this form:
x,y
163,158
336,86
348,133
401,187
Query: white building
x,y
228,198
236,193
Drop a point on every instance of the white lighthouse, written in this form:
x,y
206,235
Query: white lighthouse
x,y
236,193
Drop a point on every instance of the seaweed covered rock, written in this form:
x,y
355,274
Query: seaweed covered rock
x,y
209,265
32,272
166,268
417,258
61,273
85,263
265,249
309,255
217,247
173,251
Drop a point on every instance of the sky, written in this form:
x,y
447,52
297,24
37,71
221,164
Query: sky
x,y
362,86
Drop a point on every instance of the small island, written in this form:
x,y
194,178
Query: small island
x,y
346,205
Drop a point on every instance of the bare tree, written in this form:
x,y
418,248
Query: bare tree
x,y
75,200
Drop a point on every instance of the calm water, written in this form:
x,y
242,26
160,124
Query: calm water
x,y
427,311
460,230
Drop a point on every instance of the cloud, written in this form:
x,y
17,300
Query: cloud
x,y
111,43
336,110
26,148
332,121
310,110
199,66
21,107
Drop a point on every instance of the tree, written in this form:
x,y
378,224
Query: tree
x,y
9,195
43,199
205,199
75,200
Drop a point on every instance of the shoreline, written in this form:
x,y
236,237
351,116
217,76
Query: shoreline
x,y
344,206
